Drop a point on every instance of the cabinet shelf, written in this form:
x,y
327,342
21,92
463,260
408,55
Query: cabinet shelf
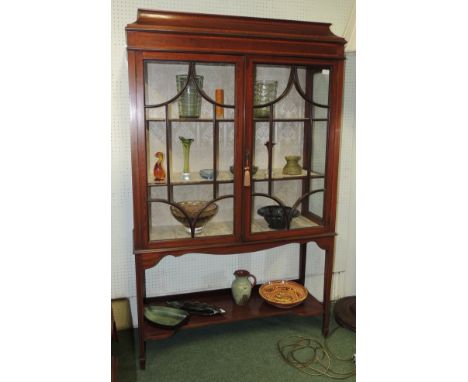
x,y
227,177
223,228
195,178
290,119
177,231
189,120
277,174
232,120
255,308
260,225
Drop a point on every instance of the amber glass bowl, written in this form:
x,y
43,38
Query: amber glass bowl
x,y
193,208
283,294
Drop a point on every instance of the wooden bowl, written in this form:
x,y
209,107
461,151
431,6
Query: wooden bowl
x,y
283,294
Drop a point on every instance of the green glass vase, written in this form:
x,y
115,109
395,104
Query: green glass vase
x,y
292,166
264,92
190,100
186,143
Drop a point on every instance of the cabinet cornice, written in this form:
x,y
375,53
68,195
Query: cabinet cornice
x,y
233,26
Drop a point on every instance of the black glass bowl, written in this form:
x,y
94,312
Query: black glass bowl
x,y
274,215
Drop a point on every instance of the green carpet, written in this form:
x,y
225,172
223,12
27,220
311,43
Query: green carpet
x,y
244,351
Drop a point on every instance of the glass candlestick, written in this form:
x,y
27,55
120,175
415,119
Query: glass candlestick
x,y
186,142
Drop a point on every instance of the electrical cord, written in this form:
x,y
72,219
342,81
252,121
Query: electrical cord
x,y
313,357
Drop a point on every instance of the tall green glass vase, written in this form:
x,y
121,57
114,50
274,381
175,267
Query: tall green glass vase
x,y
186,142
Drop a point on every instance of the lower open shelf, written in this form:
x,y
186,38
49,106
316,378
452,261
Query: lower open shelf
x,y
178,231
255,308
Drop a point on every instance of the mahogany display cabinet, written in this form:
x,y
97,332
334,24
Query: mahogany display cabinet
x,y
256,104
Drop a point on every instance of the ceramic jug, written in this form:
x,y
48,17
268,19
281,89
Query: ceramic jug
x,y
242,287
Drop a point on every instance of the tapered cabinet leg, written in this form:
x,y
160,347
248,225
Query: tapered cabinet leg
x,y
302,262
329,258
141,294
142,359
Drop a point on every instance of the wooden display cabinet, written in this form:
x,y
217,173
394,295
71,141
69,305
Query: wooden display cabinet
x,y
302,119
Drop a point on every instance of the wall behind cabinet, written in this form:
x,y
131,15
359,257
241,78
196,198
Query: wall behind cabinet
x,y
198,271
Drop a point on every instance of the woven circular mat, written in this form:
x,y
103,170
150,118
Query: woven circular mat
x,y
345,312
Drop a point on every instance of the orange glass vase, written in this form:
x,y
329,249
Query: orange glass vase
x,y
158,171
219,95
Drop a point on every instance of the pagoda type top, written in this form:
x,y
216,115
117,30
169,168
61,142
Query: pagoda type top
x,y
232,26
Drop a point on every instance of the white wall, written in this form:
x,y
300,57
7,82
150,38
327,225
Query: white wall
x,y
197,271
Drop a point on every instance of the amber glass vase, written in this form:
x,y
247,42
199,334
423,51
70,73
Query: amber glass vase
x,y
158,170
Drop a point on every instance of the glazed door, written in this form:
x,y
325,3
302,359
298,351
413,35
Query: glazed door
x,y
289,135
189,137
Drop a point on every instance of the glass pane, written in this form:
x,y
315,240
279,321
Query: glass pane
x,y
190,148
316,199
219,79
318,143
289,146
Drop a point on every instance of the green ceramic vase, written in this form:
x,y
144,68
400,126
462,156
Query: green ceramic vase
x,y
242,287
292,165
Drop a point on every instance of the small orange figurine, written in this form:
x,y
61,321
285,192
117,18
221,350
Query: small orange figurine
x,y
158,171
